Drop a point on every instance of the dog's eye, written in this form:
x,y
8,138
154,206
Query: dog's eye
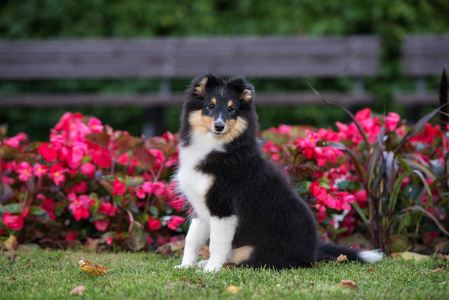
x,y
211,106
231,109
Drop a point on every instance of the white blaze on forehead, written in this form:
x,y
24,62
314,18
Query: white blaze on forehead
x,y
220,118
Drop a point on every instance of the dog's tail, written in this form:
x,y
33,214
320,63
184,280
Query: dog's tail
x,y
329,251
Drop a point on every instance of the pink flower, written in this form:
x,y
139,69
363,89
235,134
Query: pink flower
x,y
80,206
13,222
159,157
101,157
57,141
101,225
361,198
16,140
174,222
392,120
95,125
140,194
123,159
286,129
118,187
47,152
147,187
57,173
63,123
158,188
154,224
107,209
80,188
24,170
76,154
88,169
39,170
49,205
109,240
71,236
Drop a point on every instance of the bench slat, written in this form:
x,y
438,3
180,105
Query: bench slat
x,y
54,100
425,55
187,57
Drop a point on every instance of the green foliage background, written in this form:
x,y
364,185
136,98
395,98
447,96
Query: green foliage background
x,y
42,19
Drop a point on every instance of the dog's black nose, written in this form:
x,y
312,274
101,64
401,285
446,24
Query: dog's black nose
x,y
219,126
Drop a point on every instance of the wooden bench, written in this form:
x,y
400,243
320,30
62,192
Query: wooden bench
x,y
356,57
423,57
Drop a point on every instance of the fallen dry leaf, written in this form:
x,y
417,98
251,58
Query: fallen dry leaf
x,y
11,243
342,258
440,256
371,269
169,249
96,270
165,250
348,284
232,289
12,258
410,256
92,244
204,252
440,268
78,290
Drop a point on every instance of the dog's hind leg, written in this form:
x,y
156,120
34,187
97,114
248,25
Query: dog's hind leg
x,y
222,231
196,238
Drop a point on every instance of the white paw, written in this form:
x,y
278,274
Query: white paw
x,y
185,266
211,268
202,263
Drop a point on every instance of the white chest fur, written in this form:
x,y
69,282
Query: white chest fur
x,y
193,183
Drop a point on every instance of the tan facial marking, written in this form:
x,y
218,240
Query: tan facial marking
x,y
230,103
204,125
201,123
246,95
241,254
214,101
201,88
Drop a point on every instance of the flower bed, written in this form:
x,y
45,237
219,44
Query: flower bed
x,y
90,184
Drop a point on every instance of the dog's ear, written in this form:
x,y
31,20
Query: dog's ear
x,y
200,84
243,87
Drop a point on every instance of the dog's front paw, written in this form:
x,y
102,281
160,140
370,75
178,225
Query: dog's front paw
x,y
185,266
212,268
202,263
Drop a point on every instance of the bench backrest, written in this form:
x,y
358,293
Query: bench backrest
x,y
425,55
262,57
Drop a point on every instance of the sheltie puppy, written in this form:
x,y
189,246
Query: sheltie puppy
x,y
242,203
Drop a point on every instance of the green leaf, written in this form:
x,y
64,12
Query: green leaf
x,y
396,190
154,211
361,213
429,215
37,210
303,187
13,208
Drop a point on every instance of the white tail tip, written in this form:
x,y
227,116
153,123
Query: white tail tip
x,y
371,256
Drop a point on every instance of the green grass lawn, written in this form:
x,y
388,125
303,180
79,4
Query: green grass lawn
x,y
53,274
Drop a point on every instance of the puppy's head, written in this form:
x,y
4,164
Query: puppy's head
x,y
218,106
